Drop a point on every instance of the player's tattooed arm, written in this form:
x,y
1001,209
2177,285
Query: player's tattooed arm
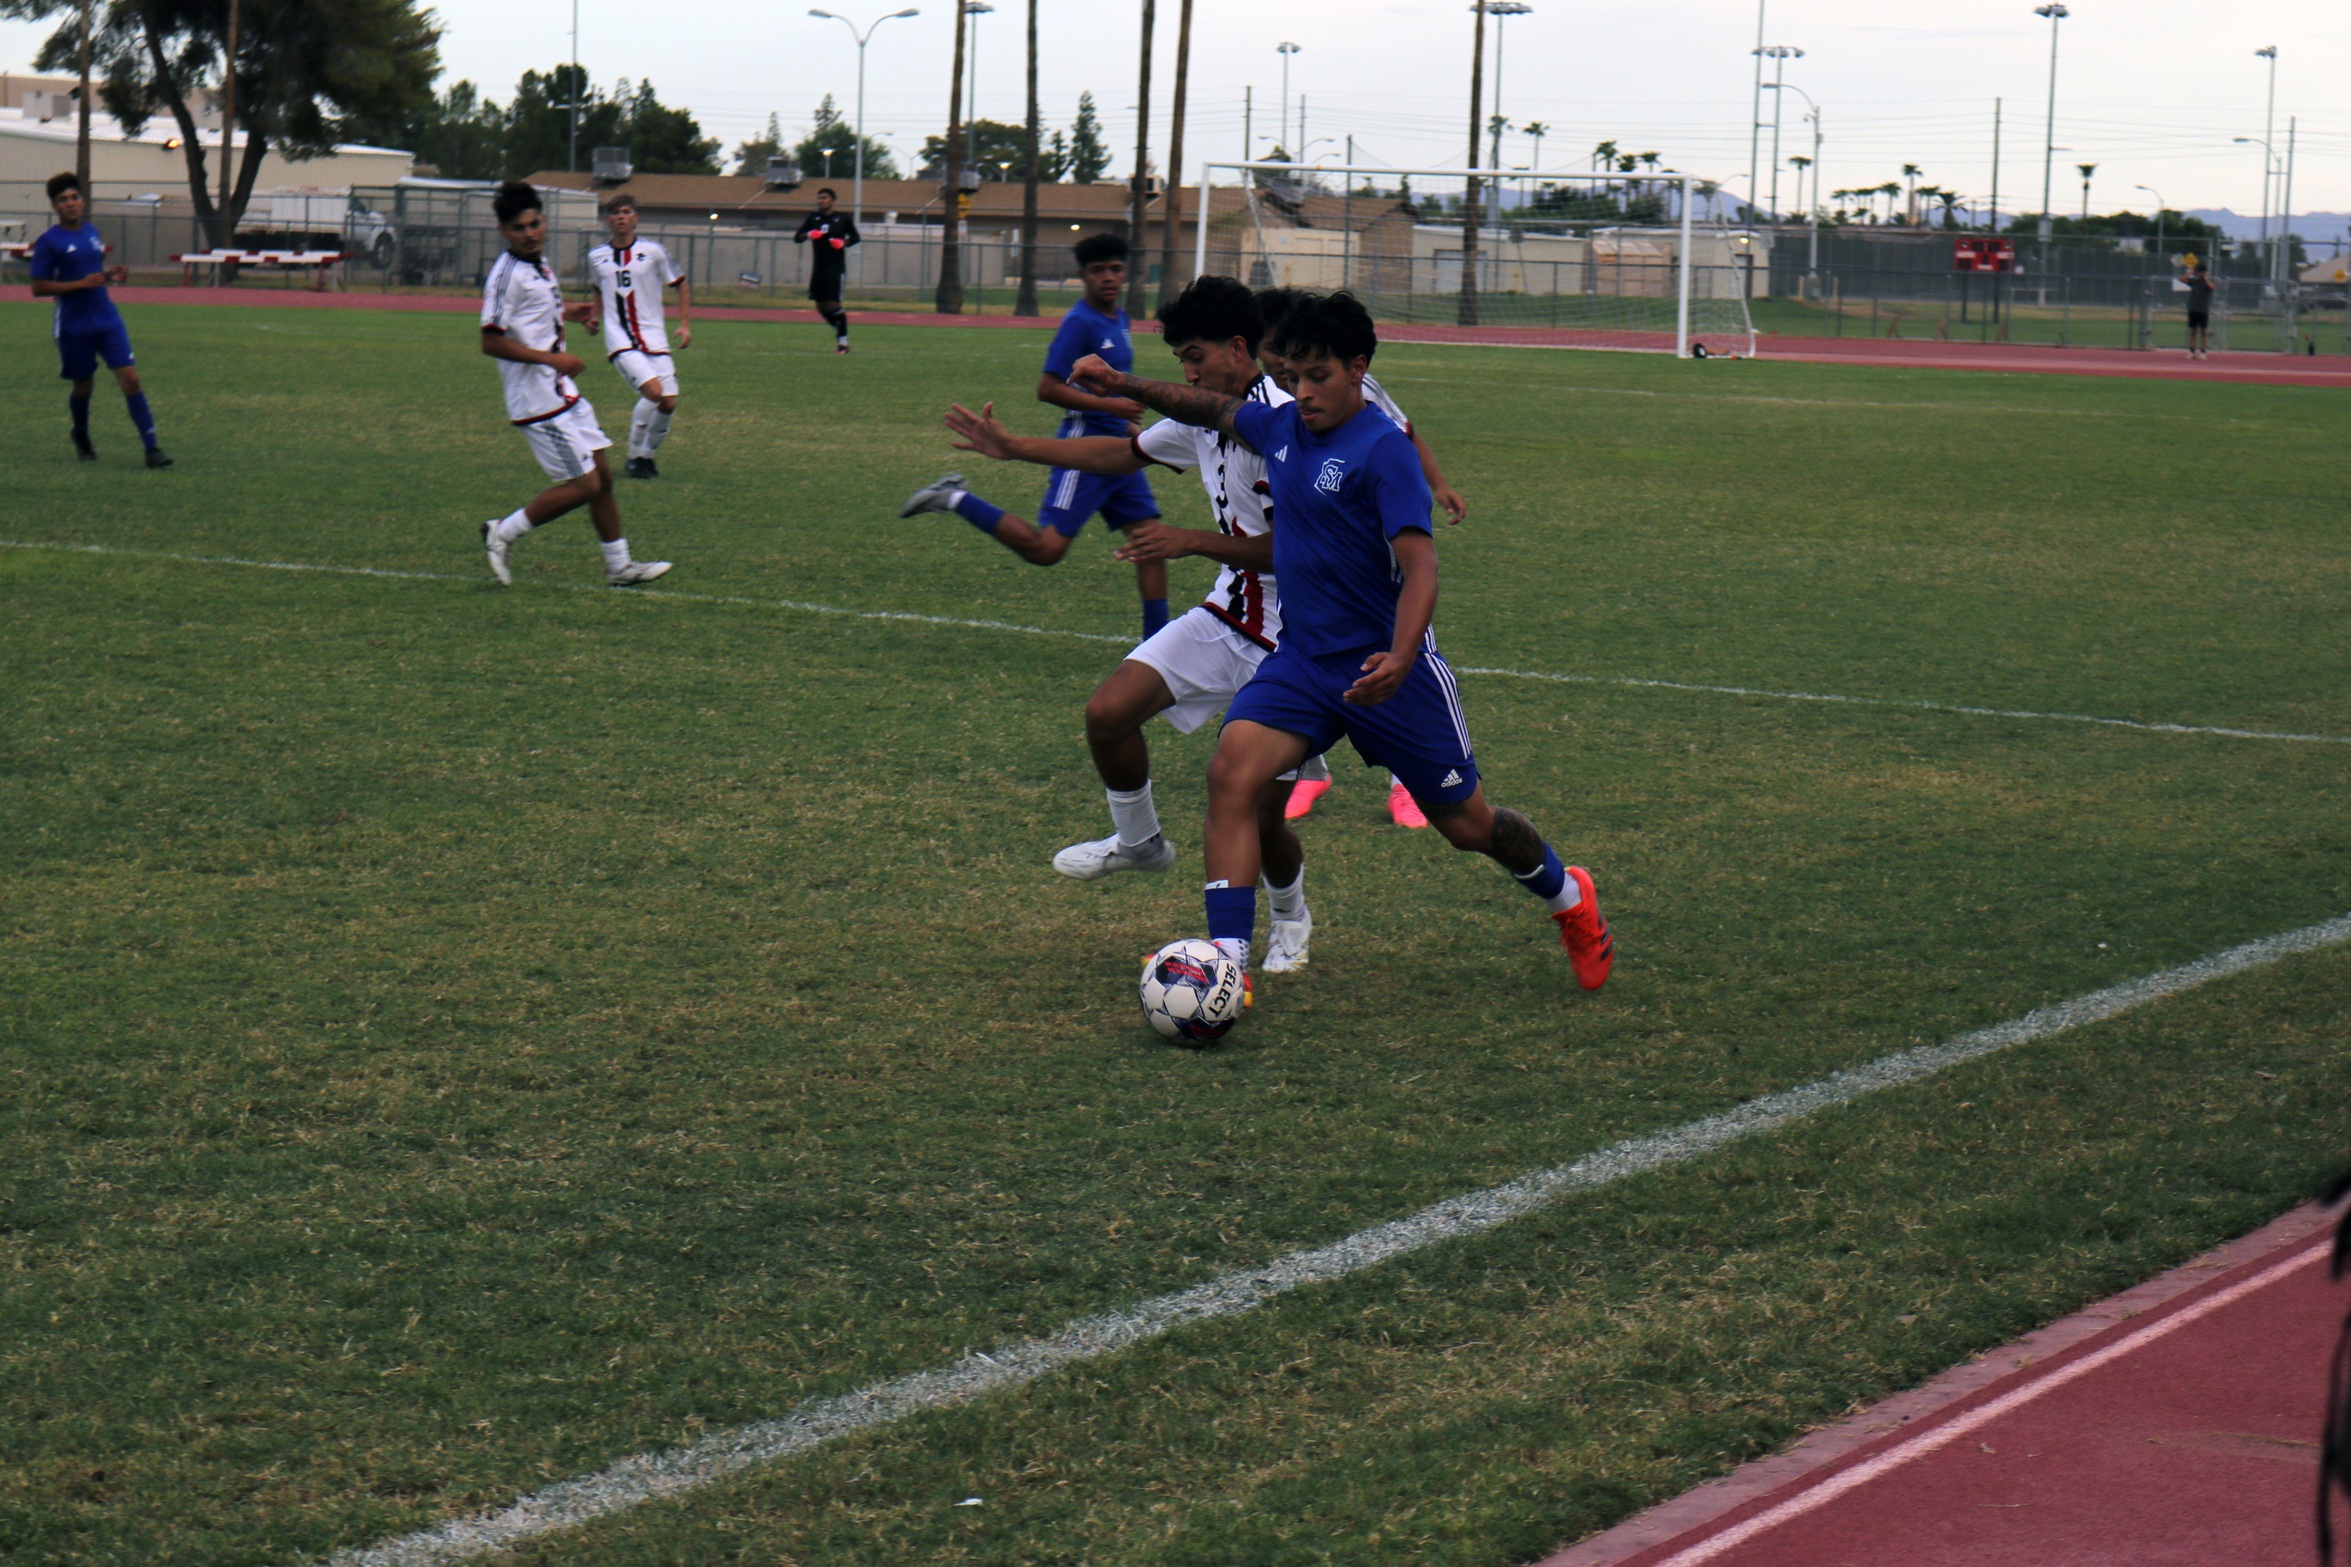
x,y
1191,405
983,433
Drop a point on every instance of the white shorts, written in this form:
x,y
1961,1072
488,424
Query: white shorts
x,y
638,368
567,444
1203,660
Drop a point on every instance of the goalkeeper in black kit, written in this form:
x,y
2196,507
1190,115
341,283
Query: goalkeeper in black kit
x,y
832,233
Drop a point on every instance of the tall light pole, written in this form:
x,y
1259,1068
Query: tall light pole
x,y
572,153
975,9
1498,9
1811,213
1780,55
857,188
2269,165
2055,13
1755,126
1285,49
2162,207
2269,138
2087,169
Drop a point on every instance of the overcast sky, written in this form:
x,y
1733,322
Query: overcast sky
x,y
2151,91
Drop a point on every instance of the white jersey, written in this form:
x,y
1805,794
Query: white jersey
x,y
522,300
1377,395
1234,477
629,282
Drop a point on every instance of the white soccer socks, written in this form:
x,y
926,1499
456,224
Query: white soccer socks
x,y
512,527
1133,814
616,553
648,427
1288,903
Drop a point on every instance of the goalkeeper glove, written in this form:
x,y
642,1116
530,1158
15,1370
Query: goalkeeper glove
x,y
840,243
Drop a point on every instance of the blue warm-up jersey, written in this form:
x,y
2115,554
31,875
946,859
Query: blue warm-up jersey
x,y
1337,501
64,255
1084,331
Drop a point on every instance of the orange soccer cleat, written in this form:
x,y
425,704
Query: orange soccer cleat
x,y
1303,794
1584,933
1403,809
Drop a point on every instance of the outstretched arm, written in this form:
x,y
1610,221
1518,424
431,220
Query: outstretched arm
x,y
1185,404
1446,496
982,433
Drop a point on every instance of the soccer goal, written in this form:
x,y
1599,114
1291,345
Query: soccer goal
x,y
1636,260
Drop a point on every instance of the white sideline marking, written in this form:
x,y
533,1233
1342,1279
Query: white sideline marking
x,y
647,1477
1914,704
1861,1474
1631,682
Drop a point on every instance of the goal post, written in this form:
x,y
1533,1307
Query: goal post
x,y
1633,260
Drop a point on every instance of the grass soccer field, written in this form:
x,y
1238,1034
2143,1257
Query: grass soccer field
x,y
458,1039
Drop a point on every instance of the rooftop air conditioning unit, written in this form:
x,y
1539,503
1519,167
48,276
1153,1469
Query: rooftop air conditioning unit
x,y
609,165
42,106
783,171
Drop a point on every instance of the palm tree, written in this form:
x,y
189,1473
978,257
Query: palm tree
x,y
1890,190
1135,238
1604,156
1026,303
949,299
1910,172
1171,212
1538,130
1950,200
1708,197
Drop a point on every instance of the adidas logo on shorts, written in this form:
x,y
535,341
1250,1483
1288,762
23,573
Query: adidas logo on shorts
x,y
1452,777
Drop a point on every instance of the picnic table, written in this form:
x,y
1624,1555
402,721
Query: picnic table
x,y
322,261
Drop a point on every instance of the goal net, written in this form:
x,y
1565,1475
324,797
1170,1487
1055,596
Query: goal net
x,y
1637,260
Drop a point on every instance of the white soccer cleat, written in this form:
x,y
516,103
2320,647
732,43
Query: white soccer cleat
x,y
500,566
636,573
1285,947
1100,857
932,496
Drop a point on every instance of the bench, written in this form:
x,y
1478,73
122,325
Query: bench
x,y
321,261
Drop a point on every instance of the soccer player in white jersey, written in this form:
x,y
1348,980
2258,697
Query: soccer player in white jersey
x,y
630,274
1188,670
1314,779
522,328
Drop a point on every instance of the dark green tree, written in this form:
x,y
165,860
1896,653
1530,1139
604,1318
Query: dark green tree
x,y
458,133
751,157
998,151
305,69
830,150
659,139
1089,155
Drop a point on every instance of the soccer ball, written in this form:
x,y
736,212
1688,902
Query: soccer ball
x,y
1194,993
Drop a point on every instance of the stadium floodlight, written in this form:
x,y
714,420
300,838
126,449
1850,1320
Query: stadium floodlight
x,y
857,185
1285,49
2055,13
2161,207
1779,55
1501,10
2269,133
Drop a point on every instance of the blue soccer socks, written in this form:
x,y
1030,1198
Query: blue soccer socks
x,y
977,512
1232,915
137,403
1154,617
1549,882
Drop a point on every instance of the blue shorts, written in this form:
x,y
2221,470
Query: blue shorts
x,y
1071,497
79,352
1418,734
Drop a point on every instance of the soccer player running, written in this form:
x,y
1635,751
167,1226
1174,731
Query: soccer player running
x,y
1314,779
1095,325
1358,567
69,266
630,274
832,233
1190,669
522,328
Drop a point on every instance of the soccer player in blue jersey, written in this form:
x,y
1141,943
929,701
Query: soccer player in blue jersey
x,y
1095,326
69,266
1353,551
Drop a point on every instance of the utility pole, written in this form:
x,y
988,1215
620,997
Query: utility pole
x,y
1994,225
2285,265
1248,123
1026,303
2056,14
571,157
1136,240
1171,212
1469,201
1755,128
2269,139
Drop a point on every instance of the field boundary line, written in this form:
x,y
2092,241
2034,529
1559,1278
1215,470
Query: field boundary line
x,y
1936,1438
809,607
654,1476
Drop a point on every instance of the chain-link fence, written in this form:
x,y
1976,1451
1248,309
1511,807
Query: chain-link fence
x,y
2068,292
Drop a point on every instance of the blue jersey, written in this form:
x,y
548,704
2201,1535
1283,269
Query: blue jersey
x,y
1084,331
64,255
1337,501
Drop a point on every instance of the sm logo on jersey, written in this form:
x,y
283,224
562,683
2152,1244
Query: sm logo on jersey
x,y
1333,470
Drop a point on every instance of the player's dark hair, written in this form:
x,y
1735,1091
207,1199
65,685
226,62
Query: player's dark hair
x,y
59,184
1099,247
616,201
1336,325
827,190
514,199
1212,310
1275,303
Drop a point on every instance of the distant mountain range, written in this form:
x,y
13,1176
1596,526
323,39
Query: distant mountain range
x,y
2309,225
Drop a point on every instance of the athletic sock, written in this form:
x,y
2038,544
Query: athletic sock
x,y
975,511
616,553
1232,915
1154,616
640,422
1549,881
656,430
1315,769
140,416
1287,903
513,527
80,408
1133,814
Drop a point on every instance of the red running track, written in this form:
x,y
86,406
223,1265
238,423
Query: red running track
x,y
2174,1426
1903,353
